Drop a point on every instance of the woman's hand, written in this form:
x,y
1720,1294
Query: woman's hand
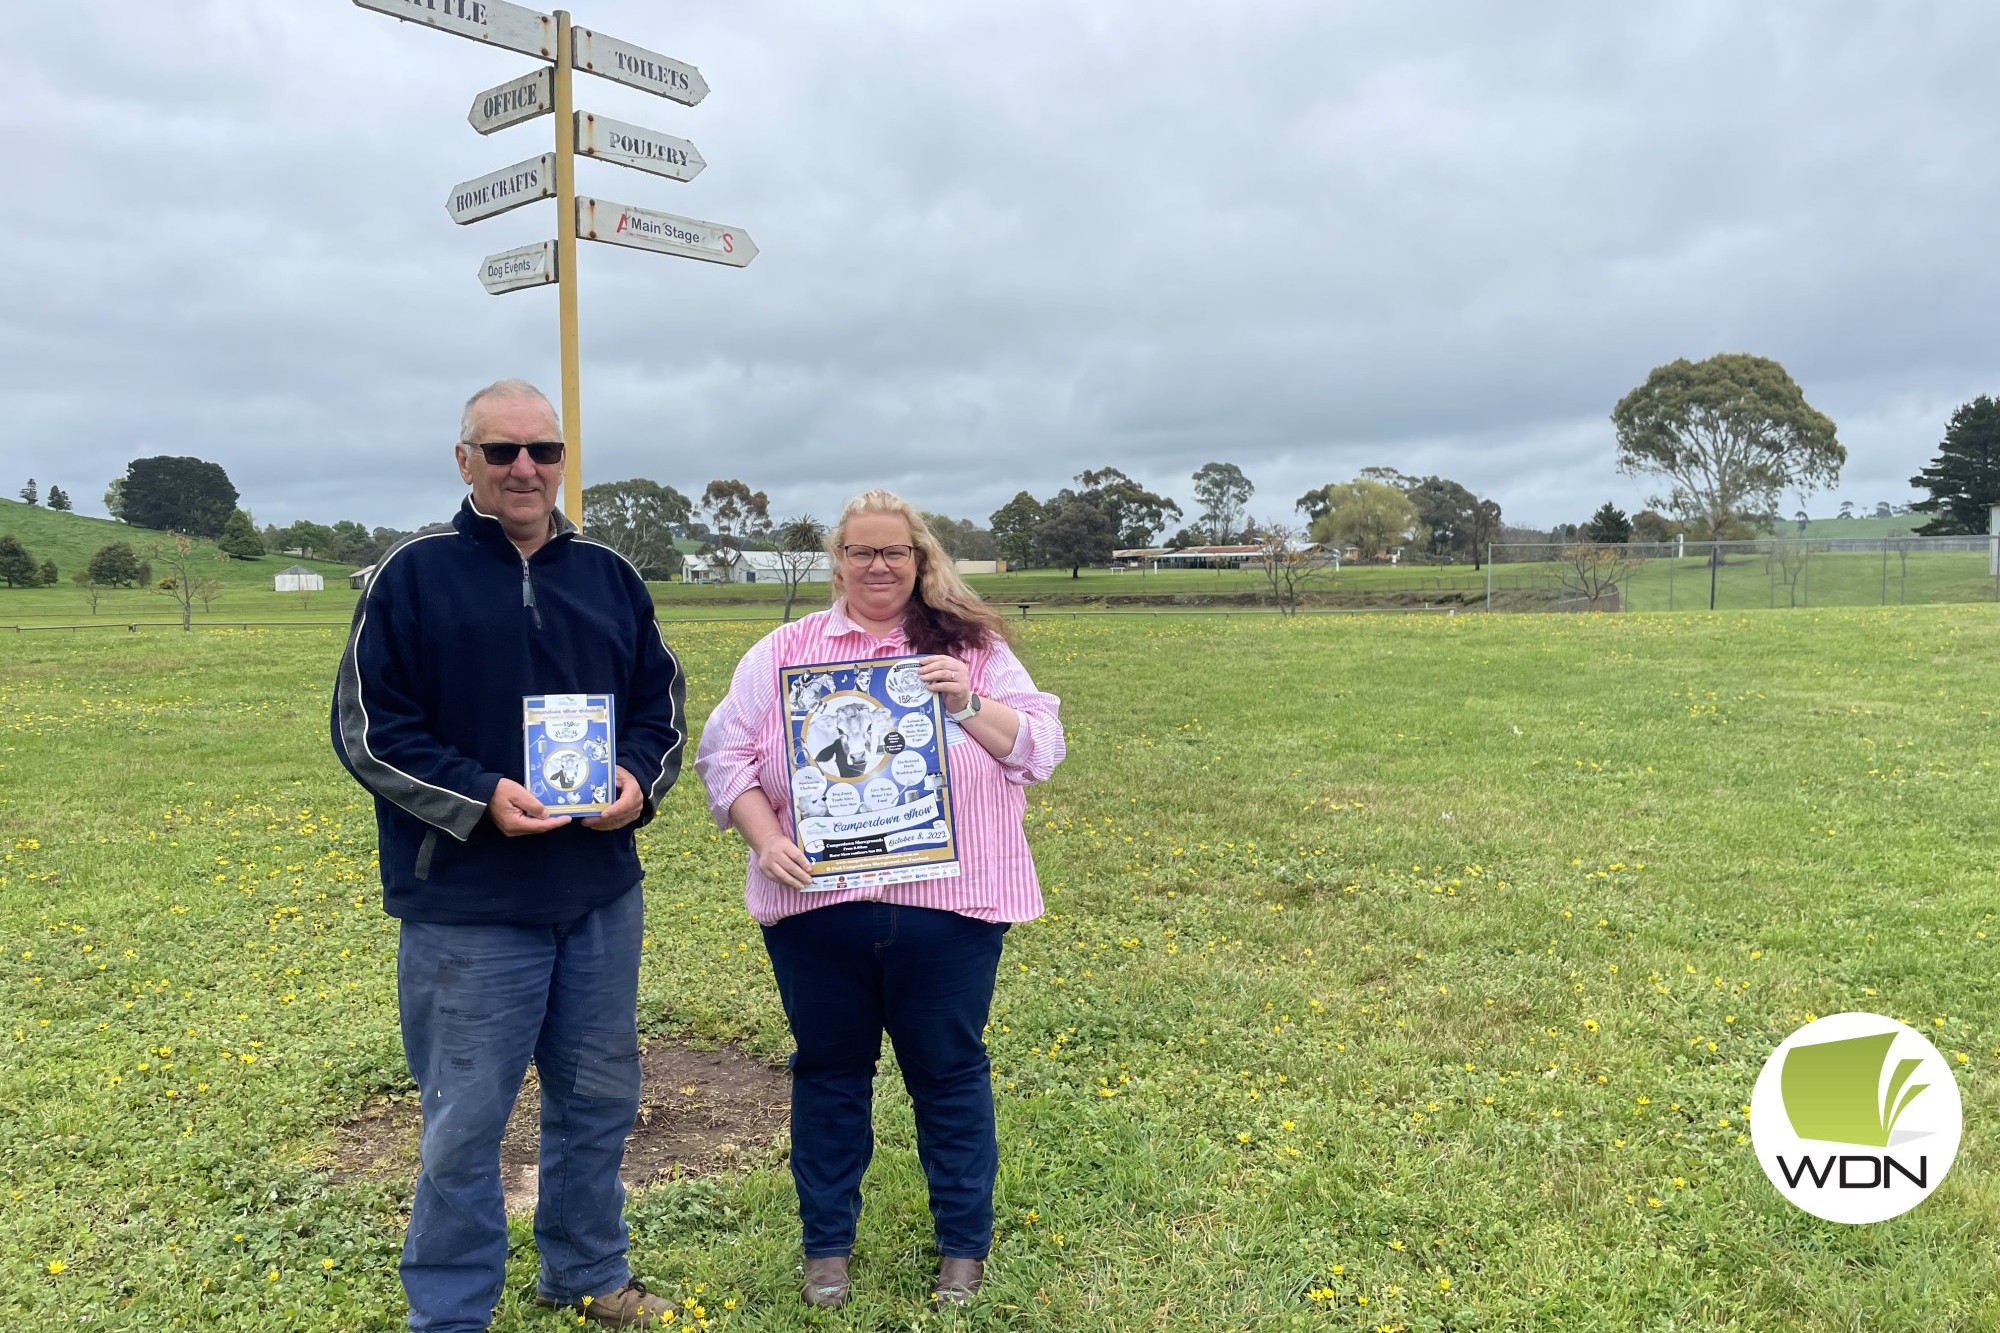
x,y
779,859
949,679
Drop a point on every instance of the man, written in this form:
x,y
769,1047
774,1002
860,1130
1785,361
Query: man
x,y
520,929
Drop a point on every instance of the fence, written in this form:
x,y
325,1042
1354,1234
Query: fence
x,y
1769,572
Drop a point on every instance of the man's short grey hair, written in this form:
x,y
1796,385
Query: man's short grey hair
x,y
502,389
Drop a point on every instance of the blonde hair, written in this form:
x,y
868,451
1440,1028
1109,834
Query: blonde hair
x,y
944,615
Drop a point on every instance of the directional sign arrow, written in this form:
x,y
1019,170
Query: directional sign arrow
x,y
514,27
511,270
514,101
509,187
643,229
631,146
622,62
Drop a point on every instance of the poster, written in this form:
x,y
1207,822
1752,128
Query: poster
x,y
571,752
871,796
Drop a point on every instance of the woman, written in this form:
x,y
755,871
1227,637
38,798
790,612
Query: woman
x,y
915,959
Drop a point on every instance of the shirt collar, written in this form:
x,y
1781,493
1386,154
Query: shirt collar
x,y
838,623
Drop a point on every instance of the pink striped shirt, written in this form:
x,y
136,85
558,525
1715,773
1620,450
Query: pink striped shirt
x,y
743,746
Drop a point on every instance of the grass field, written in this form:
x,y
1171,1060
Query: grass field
x,y
1399,973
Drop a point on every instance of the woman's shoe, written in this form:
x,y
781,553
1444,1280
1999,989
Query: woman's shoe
x,y
826,1281
958,1281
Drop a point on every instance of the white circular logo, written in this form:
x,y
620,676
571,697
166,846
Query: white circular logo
x,y
1856,1118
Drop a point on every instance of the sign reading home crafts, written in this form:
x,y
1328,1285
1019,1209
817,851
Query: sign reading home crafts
x,y
1856,1118
509,187
513,27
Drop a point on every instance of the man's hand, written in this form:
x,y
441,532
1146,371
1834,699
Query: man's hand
x,y
621,811
515,811
780,859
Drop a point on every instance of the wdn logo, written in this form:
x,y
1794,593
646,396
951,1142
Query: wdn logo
x,y
1856,1118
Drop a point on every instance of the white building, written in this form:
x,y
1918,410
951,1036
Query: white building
x,y
300,579
755,567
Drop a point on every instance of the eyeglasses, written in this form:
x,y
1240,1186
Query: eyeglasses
x,y
543,452
863,556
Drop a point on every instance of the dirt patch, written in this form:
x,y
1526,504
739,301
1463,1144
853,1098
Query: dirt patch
x,y
700,1113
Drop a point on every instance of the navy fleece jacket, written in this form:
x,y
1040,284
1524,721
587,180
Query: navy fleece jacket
x,y
454,629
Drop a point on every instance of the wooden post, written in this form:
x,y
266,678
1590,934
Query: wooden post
x,y
572,394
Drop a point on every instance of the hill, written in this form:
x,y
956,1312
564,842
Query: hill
x,y
71,539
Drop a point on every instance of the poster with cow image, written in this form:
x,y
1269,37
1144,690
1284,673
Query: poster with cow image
x,y
870,789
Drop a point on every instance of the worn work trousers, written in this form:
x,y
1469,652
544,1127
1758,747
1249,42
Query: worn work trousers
x,y
477,1002
847,973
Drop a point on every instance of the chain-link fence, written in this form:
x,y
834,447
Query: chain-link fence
x,y
1769,572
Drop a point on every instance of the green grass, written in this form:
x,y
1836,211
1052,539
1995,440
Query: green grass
x,y
1381,952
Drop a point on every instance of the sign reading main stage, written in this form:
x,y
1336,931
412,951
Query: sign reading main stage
x,y
509,187
512,102
666,233
514,27
631,146
636,67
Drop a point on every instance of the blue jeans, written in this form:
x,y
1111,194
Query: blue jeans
x,y
846,973
477,1002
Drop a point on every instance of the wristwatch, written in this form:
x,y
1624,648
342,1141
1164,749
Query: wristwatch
x,y
965,712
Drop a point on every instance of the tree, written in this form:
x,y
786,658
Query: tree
x,y
178,494
637,518
240,539
207,589
1077,536
1287,570
114,498
178,557
1371,516
801,552
29,493
1608,526
1846,509
1135,512
1485,528
48,574
313,541
961,538
1186,537
351,543
1964,478
1017,526
1590,573
59,499
1650,525
116,565
1222,490
734,514
17,567
92,590
1728,434
1448,512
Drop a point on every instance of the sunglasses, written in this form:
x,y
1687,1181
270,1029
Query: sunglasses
x,y
543,452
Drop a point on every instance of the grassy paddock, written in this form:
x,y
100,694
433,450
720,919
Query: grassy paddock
x,y
1405,973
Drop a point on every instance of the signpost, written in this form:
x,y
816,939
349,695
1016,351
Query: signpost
x,y
664,233
622,62
503,190
630,146
512,102
514,27
546,90
511,270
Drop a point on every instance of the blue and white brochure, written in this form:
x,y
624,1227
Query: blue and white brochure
x,y
870,788
571,752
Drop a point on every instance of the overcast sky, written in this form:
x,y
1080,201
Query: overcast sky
x,y
1001,243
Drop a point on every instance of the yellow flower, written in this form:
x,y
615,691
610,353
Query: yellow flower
x,y
56,1266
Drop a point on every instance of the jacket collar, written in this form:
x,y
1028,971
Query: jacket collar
x,y
485,528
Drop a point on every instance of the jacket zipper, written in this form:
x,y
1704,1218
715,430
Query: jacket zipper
x,y
528,594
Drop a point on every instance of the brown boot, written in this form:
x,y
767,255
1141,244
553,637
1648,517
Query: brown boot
x,y
958,1281
826,1282
631,1306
